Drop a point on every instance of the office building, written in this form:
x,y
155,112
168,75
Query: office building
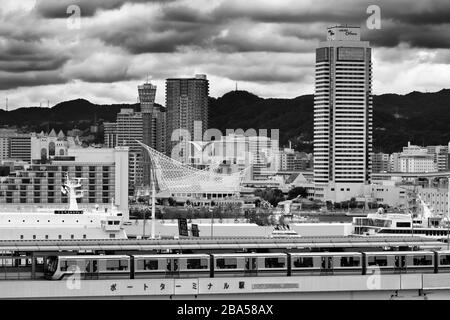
x,y
380,162
15,145
440,154
5,135
110,134
394,163
291,160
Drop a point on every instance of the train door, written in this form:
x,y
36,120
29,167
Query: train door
x,y
326,266
91,270
251,266
172,267
400,263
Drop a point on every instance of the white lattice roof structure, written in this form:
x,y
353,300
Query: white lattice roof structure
x,y
175,177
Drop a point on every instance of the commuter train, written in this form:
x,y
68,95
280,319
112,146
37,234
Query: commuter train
x,y
245,264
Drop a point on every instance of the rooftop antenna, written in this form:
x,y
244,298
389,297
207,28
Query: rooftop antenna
x,y
236,86
6,103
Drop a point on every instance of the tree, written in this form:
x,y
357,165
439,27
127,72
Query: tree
x,y
297,191
273,196
172,202
353,203
329,205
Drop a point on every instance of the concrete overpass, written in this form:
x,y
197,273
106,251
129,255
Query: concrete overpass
x,y
430,177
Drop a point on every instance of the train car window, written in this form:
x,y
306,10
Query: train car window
x,y
64,265
197,264
423,260
350,261
149,264
275,262
303,262
445,260
116,265
7,262
123,265
112,265
380,261
68,265
228,263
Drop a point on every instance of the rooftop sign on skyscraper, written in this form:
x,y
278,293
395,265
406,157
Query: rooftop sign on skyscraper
x,y
340,33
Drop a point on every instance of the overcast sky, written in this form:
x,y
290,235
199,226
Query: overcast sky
x,y
266,46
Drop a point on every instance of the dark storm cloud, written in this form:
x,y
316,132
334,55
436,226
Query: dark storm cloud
x,y
58,8
28,79
316,11
22,56
255,41
425,36
155,38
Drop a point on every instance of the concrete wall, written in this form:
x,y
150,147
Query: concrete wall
x,y
426,286
170,228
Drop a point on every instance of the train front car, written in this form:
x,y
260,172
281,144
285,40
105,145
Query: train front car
x,y
172,266
325,263
250,264
88,267
51,271
400,262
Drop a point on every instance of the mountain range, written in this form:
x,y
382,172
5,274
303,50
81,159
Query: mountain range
x,y
422,118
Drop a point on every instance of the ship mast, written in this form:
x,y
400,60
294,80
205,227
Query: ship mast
x,y
69,188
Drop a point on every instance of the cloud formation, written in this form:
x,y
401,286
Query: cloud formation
x,y
266,46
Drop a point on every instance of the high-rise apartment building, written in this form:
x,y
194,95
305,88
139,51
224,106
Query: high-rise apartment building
x,y
342,113
187,113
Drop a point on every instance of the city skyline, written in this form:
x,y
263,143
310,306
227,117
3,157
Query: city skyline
x,y
267,49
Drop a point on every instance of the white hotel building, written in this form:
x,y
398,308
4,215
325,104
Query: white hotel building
x,y
342,115
416,159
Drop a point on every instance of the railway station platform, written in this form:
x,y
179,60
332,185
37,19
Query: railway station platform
x,y
220,243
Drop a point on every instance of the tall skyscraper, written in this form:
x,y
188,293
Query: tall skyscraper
x,y
187,109
342,113
153,121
